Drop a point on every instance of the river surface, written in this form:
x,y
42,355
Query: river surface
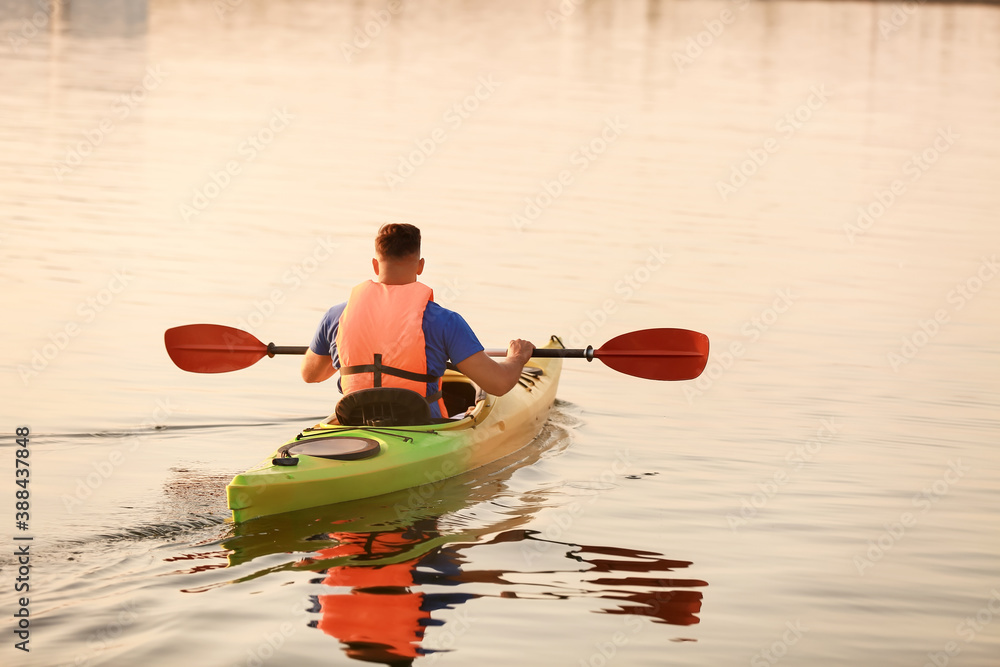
x,y
811,184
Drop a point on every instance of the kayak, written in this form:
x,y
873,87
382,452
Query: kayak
x,y
333,463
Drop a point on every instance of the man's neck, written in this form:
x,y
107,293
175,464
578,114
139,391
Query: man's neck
x,y
389,279
398,272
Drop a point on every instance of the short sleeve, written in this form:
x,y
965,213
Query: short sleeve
x,y
448,337
324,341
462,341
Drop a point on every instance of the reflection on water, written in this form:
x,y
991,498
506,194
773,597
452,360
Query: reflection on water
x,y
381,615
387,583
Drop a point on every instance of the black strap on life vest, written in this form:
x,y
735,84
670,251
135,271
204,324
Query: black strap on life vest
x,y
378,368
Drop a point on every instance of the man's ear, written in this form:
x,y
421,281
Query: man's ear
x,y
420,266
375,264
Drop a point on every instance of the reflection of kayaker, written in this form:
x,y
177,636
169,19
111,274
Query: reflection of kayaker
x,y
381,619
383,615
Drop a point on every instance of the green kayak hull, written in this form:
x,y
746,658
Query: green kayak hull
x,y
494,427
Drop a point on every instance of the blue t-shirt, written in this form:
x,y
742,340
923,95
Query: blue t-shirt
x,y
446,336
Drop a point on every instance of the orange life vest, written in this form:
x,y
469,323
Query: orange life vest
x,y
380,339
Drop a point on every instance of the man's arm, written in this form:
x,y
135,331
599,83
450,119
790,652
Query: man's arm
x,y
317,367
497,378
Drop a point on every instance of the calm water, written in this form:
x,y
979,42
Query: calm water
x,y
811,184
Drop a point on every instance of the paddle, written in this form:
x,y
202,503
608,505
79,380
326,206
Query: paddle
x,y
654,354
213,348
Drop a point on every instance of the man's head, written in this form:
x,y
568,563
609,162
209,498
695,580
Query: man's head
x,y
397,254
397,240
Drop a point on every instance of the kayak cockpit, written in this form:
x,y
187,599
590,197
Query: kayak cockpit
x,y
383,406
461,395
465,404
395,407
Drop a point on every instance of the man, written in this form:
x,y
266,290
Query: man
x,y
390,333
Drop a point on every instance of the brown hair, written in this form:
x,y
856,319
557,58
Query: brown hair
x,y
397,240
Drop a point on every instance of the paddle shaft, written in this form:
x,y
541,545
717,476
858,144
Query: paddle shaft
x,y
539,353
587,353
273,349
590,353
655,354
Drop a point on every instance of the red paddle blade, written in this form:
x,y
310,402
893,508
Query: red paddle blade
x,y
212,348
657,354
